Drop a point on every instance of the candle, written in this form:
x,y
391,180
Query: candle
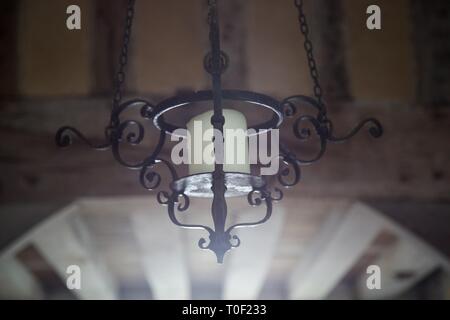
x,y
200,147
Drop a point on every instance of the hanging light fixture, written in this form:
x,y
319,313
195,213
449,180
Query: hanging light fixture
x,y
217,181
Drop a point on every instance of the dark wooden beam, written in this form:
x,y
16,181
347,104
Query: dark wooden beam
x,y
22,216
53,286
428,220
409,162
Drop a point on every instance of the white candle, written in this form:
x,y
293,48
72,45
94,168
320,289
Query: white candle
x,y
201,153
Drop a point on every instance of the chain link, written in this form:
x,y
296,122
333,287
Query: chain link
x,y
119,78
304,28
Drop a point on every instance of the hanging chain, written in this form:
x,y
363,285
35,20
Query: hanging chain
x,y
119,78
310,54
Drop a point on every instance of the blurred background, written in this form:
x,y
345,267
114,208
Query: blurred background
x,y
368,202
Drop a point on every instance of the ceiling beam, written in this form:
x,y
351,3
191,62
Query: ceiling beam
x,y
64,241
162,251
61,244
159,243
17,282
402,266
361,167
249,265
412,233
21,217
337,247
419,218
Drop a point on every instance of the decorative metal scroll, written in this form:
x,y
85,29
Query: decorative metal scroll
x,y
119,131
307,125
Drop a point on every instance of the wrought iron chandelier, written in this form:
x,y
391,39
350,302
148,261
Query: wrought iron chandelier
x,y
219,183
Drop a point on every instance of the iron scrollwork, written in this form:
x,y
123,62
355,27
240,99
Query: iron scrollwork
x,y
222,240
305,126
128,131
